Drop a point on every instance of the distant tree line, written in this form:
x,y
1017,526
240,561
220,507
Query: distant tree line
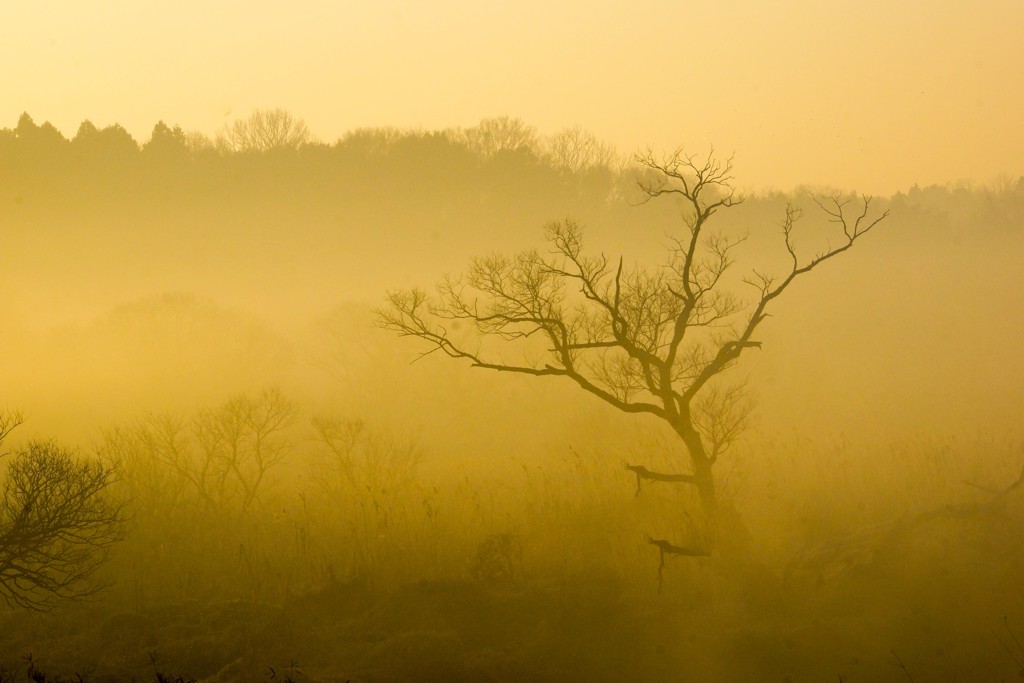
x,y
269,169
277,130
272,153
44,150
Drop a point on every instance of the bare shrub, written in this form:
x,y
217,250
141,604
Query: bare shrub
x,y
57,523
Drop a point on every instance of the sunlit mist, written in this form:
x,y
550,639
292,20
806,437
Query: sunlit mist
x,y
481,342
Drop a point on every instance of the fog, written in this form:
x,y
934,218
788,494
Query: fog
x,y
302,490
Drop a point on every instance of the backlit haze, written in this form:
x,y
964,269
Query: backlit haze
x,y
244,285
874,96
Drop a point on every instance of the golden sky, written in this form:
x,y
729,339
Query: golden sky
x,y
870,95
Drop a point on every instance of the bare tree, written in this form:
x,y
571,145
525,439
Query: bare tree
x,y
264,130
578,150
239,443
223,455
501,134
362,458
647,340
57,524
9,421
361,474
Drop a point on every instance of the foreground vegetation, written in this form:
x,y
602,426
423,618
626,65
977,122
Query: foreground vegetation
x,y
426,575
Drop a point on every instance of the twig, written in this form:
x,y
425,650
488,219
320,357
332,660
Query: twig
x,y
902,666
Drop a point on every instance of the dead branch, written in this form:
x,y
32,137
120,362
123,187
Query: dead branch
x,y
666,548
642,473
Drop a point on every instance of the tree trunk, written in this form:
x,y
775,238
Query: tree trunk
x,y
704,480
700,463
726,533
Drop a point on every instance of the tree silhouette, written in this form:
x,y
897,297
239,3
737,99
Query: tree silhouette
x,y
37,148
166,142
502,134
647,340
104,148
578,150
223,455
265,130
57,524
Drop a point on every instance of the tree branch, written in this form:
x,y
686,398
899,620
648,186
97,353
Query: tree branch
x,y
642,473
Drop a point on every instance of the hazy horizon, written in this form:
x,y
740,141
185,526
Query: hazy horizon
x,y
874,97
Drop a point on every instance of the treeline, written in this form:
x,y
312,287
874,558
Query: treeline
x,y
277,131
273,151
272,154
264,190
